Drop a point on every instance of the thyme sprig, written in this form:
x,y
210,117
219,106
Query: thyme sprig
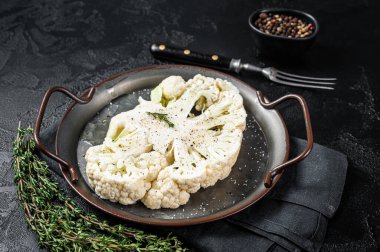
x,y
62,226
161,117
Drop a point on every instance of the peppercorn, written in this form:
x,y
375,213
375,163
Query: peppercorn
x,y
263,15
283,25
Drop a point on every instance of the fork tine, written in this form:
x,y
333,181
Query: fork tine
x,y
288,83
304,81
306,77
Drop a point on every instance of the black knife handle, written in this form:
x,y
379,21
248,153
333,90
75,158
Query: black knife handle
x,y
186,56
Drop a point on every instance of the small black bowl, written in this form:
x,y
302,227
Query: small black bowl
x,y
275,45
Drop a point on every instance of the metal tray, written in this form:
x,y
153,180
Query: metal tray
x,y
262,159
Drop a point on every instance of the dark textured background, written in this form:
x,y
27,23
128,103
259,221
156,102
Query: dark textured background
x,y
77,43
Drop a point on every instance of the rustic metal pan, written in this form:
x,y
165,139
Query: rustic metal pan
x,y
262,159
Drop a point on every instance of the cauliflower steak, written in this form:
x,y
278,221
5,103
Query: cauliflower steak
x,y
186,137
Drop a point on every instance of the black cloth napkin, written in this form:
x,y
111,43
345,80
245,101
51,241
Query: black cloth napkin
x,y
292,217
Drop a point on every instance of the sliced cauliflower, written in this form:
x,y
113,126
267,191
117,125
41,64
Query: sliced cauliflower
x,y
187,137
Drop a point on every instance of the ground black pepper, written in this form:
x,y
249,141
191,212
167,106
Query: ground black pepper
x,y
283,25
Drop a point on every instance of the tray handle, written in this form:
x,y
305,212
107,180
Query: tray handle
x,y
37,126
309,133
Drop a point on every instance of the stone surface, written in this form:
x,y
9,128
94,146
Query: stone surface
x,y
77,43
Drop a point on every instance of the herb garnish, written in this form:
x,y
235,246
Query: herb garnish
x,y
161,117
62,226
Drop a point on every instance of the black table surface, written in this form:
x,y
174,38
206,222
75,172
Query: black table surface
x,y
75,44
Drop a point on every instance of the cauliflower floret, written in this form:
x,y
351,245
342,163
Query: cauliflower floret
x,y
218,167
173,86
118,183
162,151
165,193
123,180
154,161
169,89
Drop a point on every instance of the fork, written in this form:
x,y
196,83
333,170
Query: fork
x,y
186,56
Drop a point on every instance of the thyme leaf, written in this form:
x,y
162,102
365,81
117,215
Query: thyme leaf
x,y
161,117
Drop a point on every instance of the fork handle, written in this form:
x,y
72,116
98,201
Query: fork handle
x,y
187,56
